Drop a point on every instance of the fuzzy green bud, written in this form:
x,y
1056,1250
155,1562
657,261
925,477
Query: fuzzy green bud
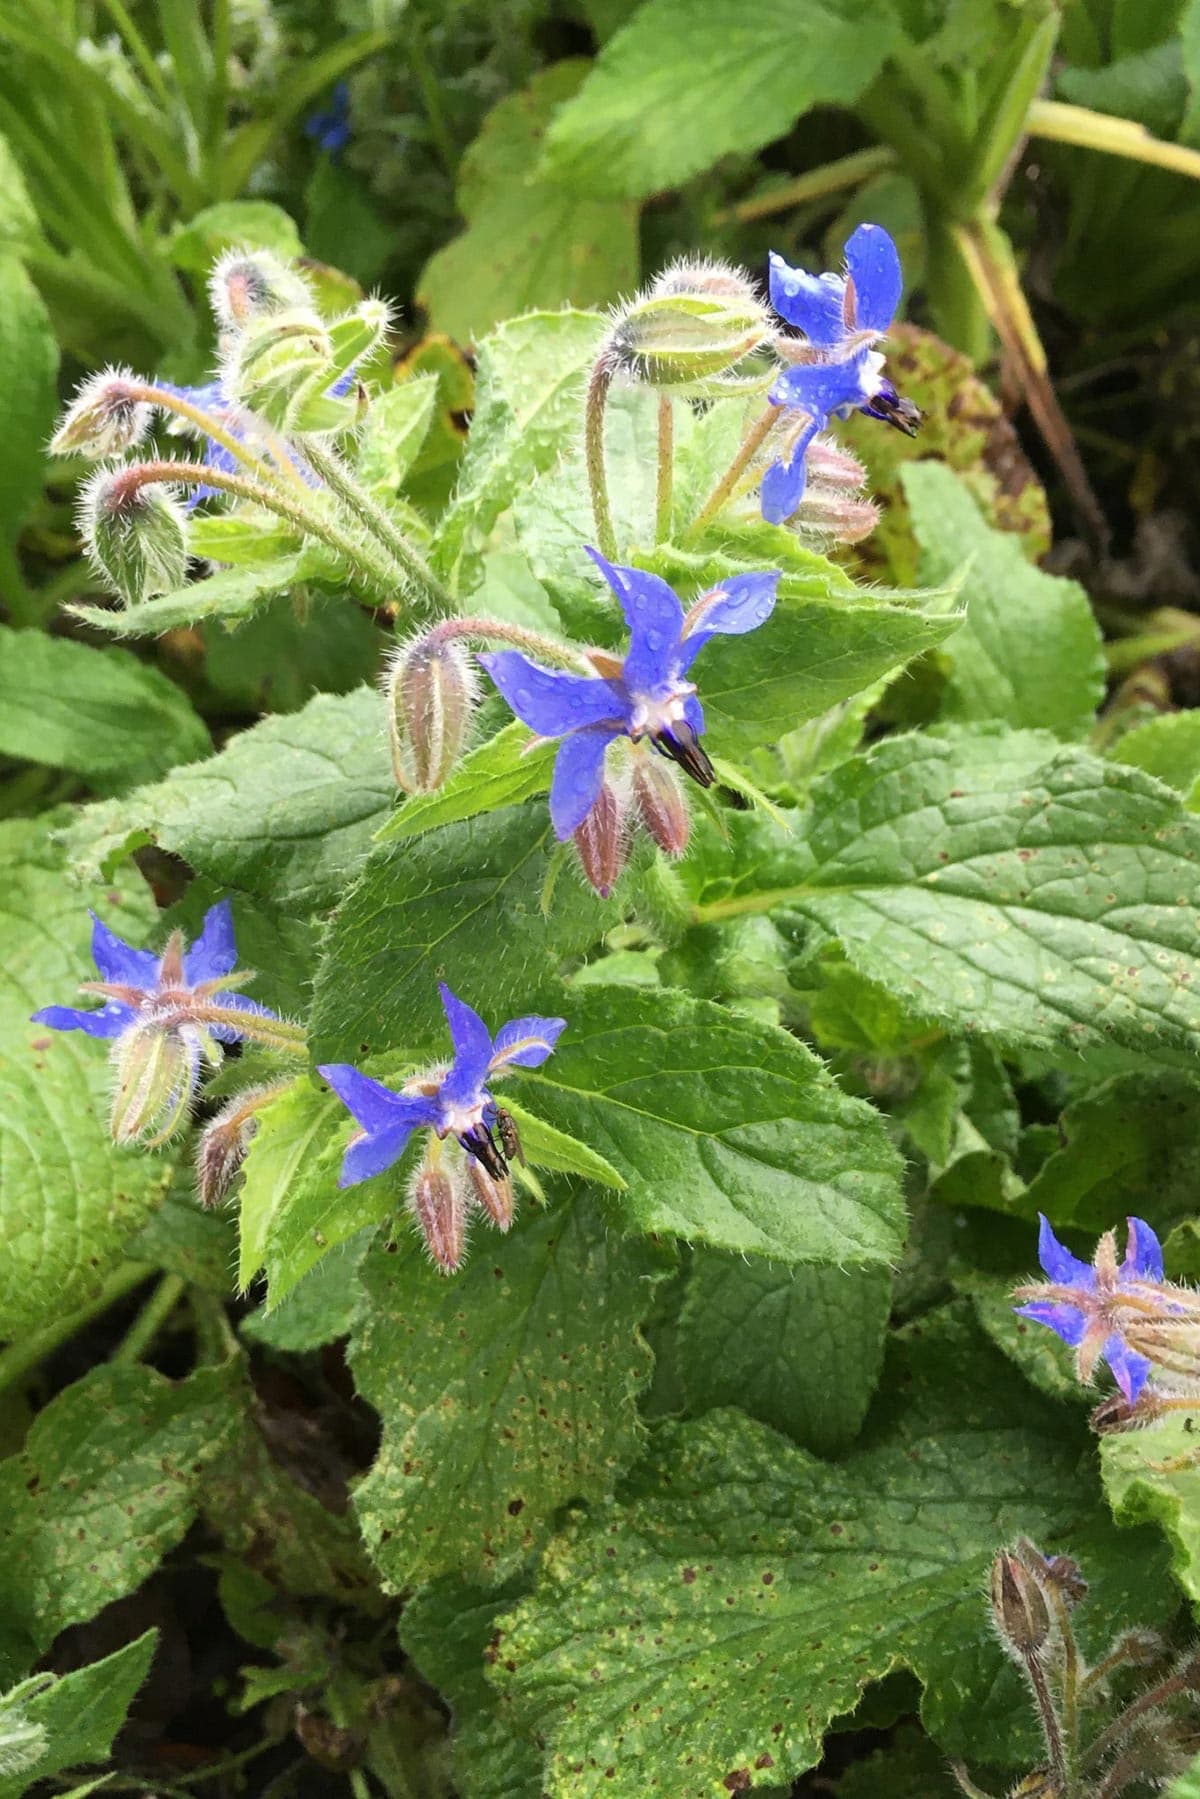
x,y
157,1073
106,416
431,691
353,339
135,533
694,330
276,361
246,284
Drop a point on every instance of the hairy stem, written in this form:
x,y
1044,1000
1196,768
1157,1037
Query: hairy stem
x,y
373,517
593,445
497,630
379,574
1051,1727
212,427
1171,1688
749,447
664,492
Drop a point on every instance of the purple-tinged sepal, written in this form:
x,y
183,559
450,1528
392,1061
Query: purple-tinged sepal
x,y
431,688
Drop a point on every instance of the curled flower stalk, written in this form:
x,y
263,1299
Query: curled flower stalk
x,y
284,389
167,1017
1125,1314
627,708
472,1141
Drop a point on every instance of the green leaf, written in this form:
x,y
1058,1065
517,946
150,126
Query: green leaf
x,y
529,242
230,594
182,1239
1153,1477
909,1767
100,712
292,1210
1131,1145
710,1628
1030,652
1167,747
28,371
107,1483
687,82
508,768
447,1628
464,904
286,811
391,436
273,1515
726,1132
544,1147
1186,1787
234,224
20,228
320,1308
289,649
82,1712
528,411
815,650
70,1198
798,1348
504,1391
1045,899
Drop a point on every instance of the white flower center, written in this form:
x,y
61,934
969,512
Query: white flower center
x,y
653,713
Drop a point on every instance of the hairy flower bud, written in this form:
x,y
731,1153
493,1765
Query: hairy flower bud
x,y
277,359
437,1202
245,284
225,1140
331,401
495,1197
157,1073
660,802
601,841
1018,1607
105,417
693,329
431,689
135,533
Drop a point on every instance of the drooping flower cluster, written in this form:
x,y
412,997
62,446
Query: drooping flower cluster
x,y
1125,1314
837,368
454,1105
643,701
285,380
167,1016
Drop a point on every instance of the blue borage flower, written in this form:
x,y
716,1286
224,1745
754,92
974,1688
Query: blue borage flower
x,y
645,697
165,1016
453,1103
330,127
837,370
1089,1307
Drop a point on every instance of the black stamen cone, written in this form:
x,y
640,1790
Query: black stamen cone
x,y
682,745
478,1143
